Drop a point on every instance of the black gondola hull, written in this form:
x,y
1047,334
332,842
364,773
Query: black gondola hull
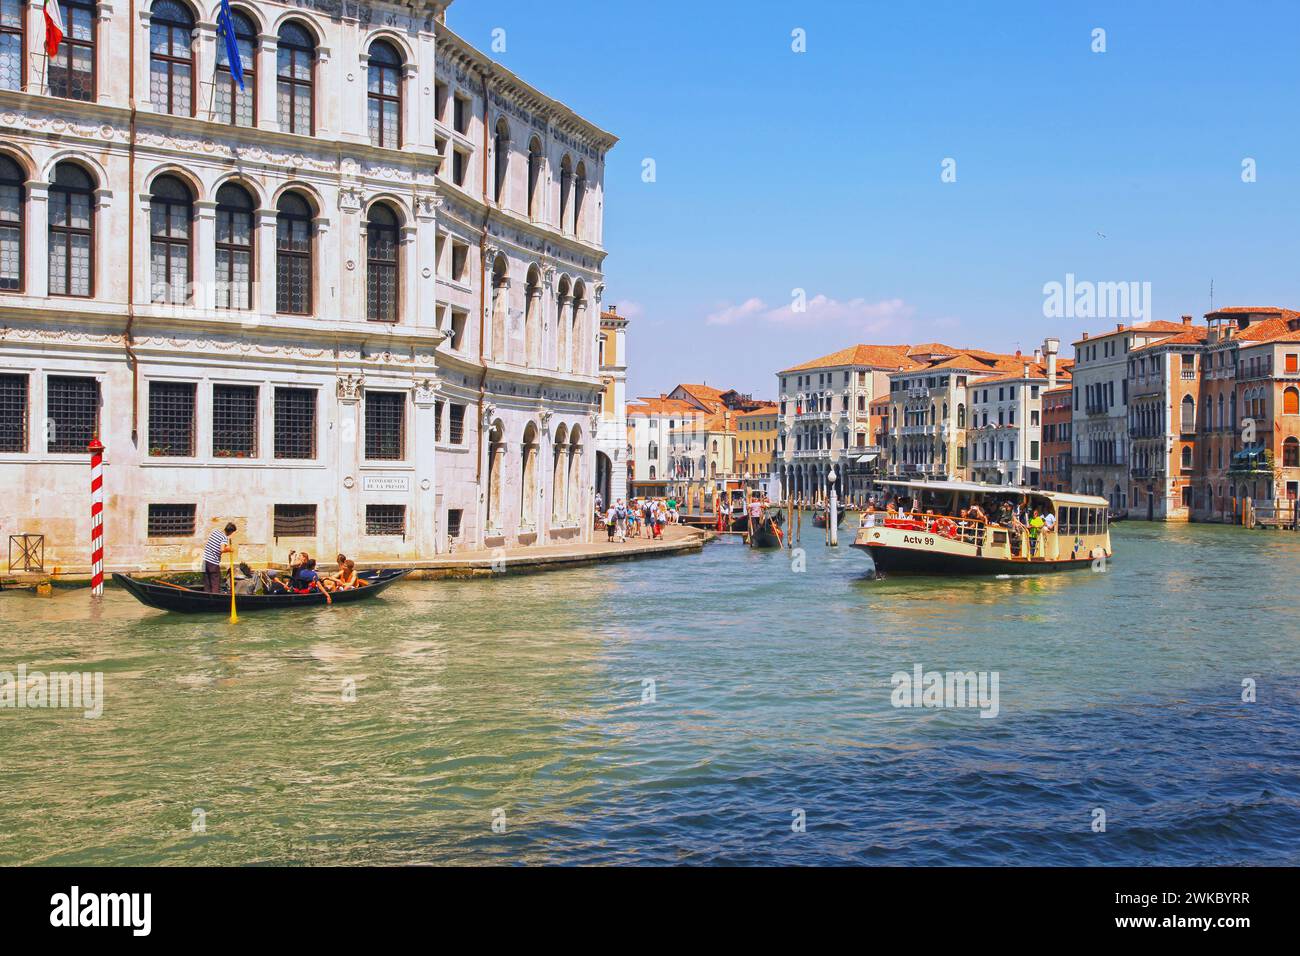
x,y
166,597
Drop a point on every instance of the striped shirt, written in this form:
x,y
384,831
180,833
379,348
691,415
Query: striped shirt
x,y
216,541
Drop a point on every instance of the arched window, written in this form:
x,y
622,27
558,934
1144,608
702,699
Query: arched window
x,y
566,183
653,450
171,58
13,196
961,416
1187,456
13,13
72,231
535,160
295,67
1291,401
171,213
1291,453
72,69
293,255
1188,421
234,247
501,155
233,106
579,194
384,96
381,264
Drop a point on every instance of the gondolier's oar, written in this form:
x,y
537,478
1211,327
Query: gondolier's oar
x,y
178,587
234,618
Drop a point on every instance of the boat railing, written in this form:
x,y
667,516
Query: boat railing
x,y
968,530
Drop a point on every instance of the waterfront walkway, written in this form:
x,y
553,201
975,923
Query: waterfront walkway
x,y
677,539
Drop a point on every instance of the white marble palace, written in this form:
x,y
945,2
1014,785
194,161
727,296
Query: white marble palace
x,y
352,307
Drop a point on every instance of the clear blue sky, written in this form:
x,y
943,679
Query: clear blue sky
x,y
820,170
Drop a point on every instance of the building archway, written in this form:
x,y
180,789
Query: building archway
x,y
604,477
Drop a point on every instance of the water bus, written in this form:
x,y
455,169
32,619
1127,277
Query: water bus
x,y
935,538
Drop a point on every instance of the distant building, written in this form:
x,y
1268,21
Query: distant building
x,y
611,432
1057,443
1005,437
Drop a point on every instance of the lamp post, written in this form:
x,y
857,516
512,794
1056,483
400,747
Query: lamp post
x,y
832,518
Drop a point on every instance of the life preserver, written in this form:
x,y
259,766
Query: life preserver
x,y
946,527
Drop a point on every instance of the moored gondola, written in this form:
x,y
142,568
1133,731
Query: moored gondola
x,y
764,532
820,519
174,597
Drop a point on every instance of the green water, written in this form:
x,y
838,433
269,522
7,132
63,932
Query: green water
x,y
531,695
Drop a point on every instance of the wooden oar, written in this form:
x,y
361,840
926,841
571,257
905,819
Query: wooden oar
x,y
179,587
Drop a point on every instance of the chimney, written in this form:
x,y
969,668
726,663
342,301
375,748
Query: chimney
x,y
1085,336
1038,356
1119,326
1187,321
1051,346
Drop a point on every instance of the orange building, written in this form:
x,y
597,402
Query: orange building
x,y
1058,414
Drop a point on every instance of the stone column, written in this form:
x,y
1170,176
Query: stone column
x,y
203,82
143,102
268,110
409,267
326,293
350,305
37,252
204,253
264,248
425,519
108,84
347,452
412,135
562,333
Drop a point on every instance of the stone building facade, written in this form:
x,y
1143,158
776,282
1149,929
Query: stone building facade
x,y
271,304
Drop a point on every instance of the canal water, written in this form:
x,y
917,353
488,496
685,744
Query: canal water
x,y
729,707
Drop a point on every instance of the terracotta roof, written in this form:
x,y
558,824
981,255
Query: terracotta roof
x,y
1036,371
703,392
1277,332
1159,325
870,356
1189,336
652,406
1255,310
769,408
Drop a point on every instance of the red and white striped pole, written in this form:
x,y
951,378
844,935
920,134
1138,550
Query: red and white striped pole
x,y
96,450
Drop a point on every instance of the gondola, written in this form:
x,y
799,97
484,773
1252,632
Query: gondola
x,y
820,519
763,532
174,597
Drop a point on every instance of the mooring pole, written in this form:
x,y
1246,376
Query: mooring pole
x,y
96,449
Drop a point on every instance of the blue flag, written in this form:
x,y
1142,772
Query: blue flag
x,y
226,30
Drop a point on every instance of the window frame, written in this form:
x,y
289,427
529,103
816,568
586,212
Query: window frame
x,y
291,255
22,431
231,247
401,421
67,44
98,399
171,243
296,84
19,31
20,184
394,265
178,385
381,98
68,232
250,72
172,61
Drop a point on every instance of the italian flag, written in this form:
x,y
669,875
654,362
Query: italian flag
x,y
53,27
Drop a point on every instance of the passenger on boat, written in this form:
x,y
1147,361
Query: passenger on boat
x,y
345,579
271,583
305,579
1036,525
977,514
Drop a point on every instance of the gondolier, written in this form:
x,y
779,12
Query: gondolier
x,y
218,544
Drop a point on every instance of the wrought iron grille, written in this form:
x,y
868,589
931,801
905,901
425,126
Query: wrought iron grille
x,y
385,425
456,424
437,421
295,521
386,519
13,413
71,411
295,423
453,522
171,419
234,421
171,521
30,550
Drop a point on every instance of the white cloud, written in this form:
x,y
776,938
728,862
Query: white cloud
x,y
731,314
819,310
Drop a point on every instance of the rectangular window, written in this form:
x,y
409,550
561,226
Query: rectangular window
x,y
1033,451
437,420
72,413
458,323
461,118
171,419
13,413
459,166
453,523
234,421
459,256
456,425
295,423
171,521
294,521
385,426
1291,362
386,519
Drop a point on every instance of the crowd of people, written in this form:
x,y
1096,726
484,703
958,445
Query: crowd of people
x,y
638,518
